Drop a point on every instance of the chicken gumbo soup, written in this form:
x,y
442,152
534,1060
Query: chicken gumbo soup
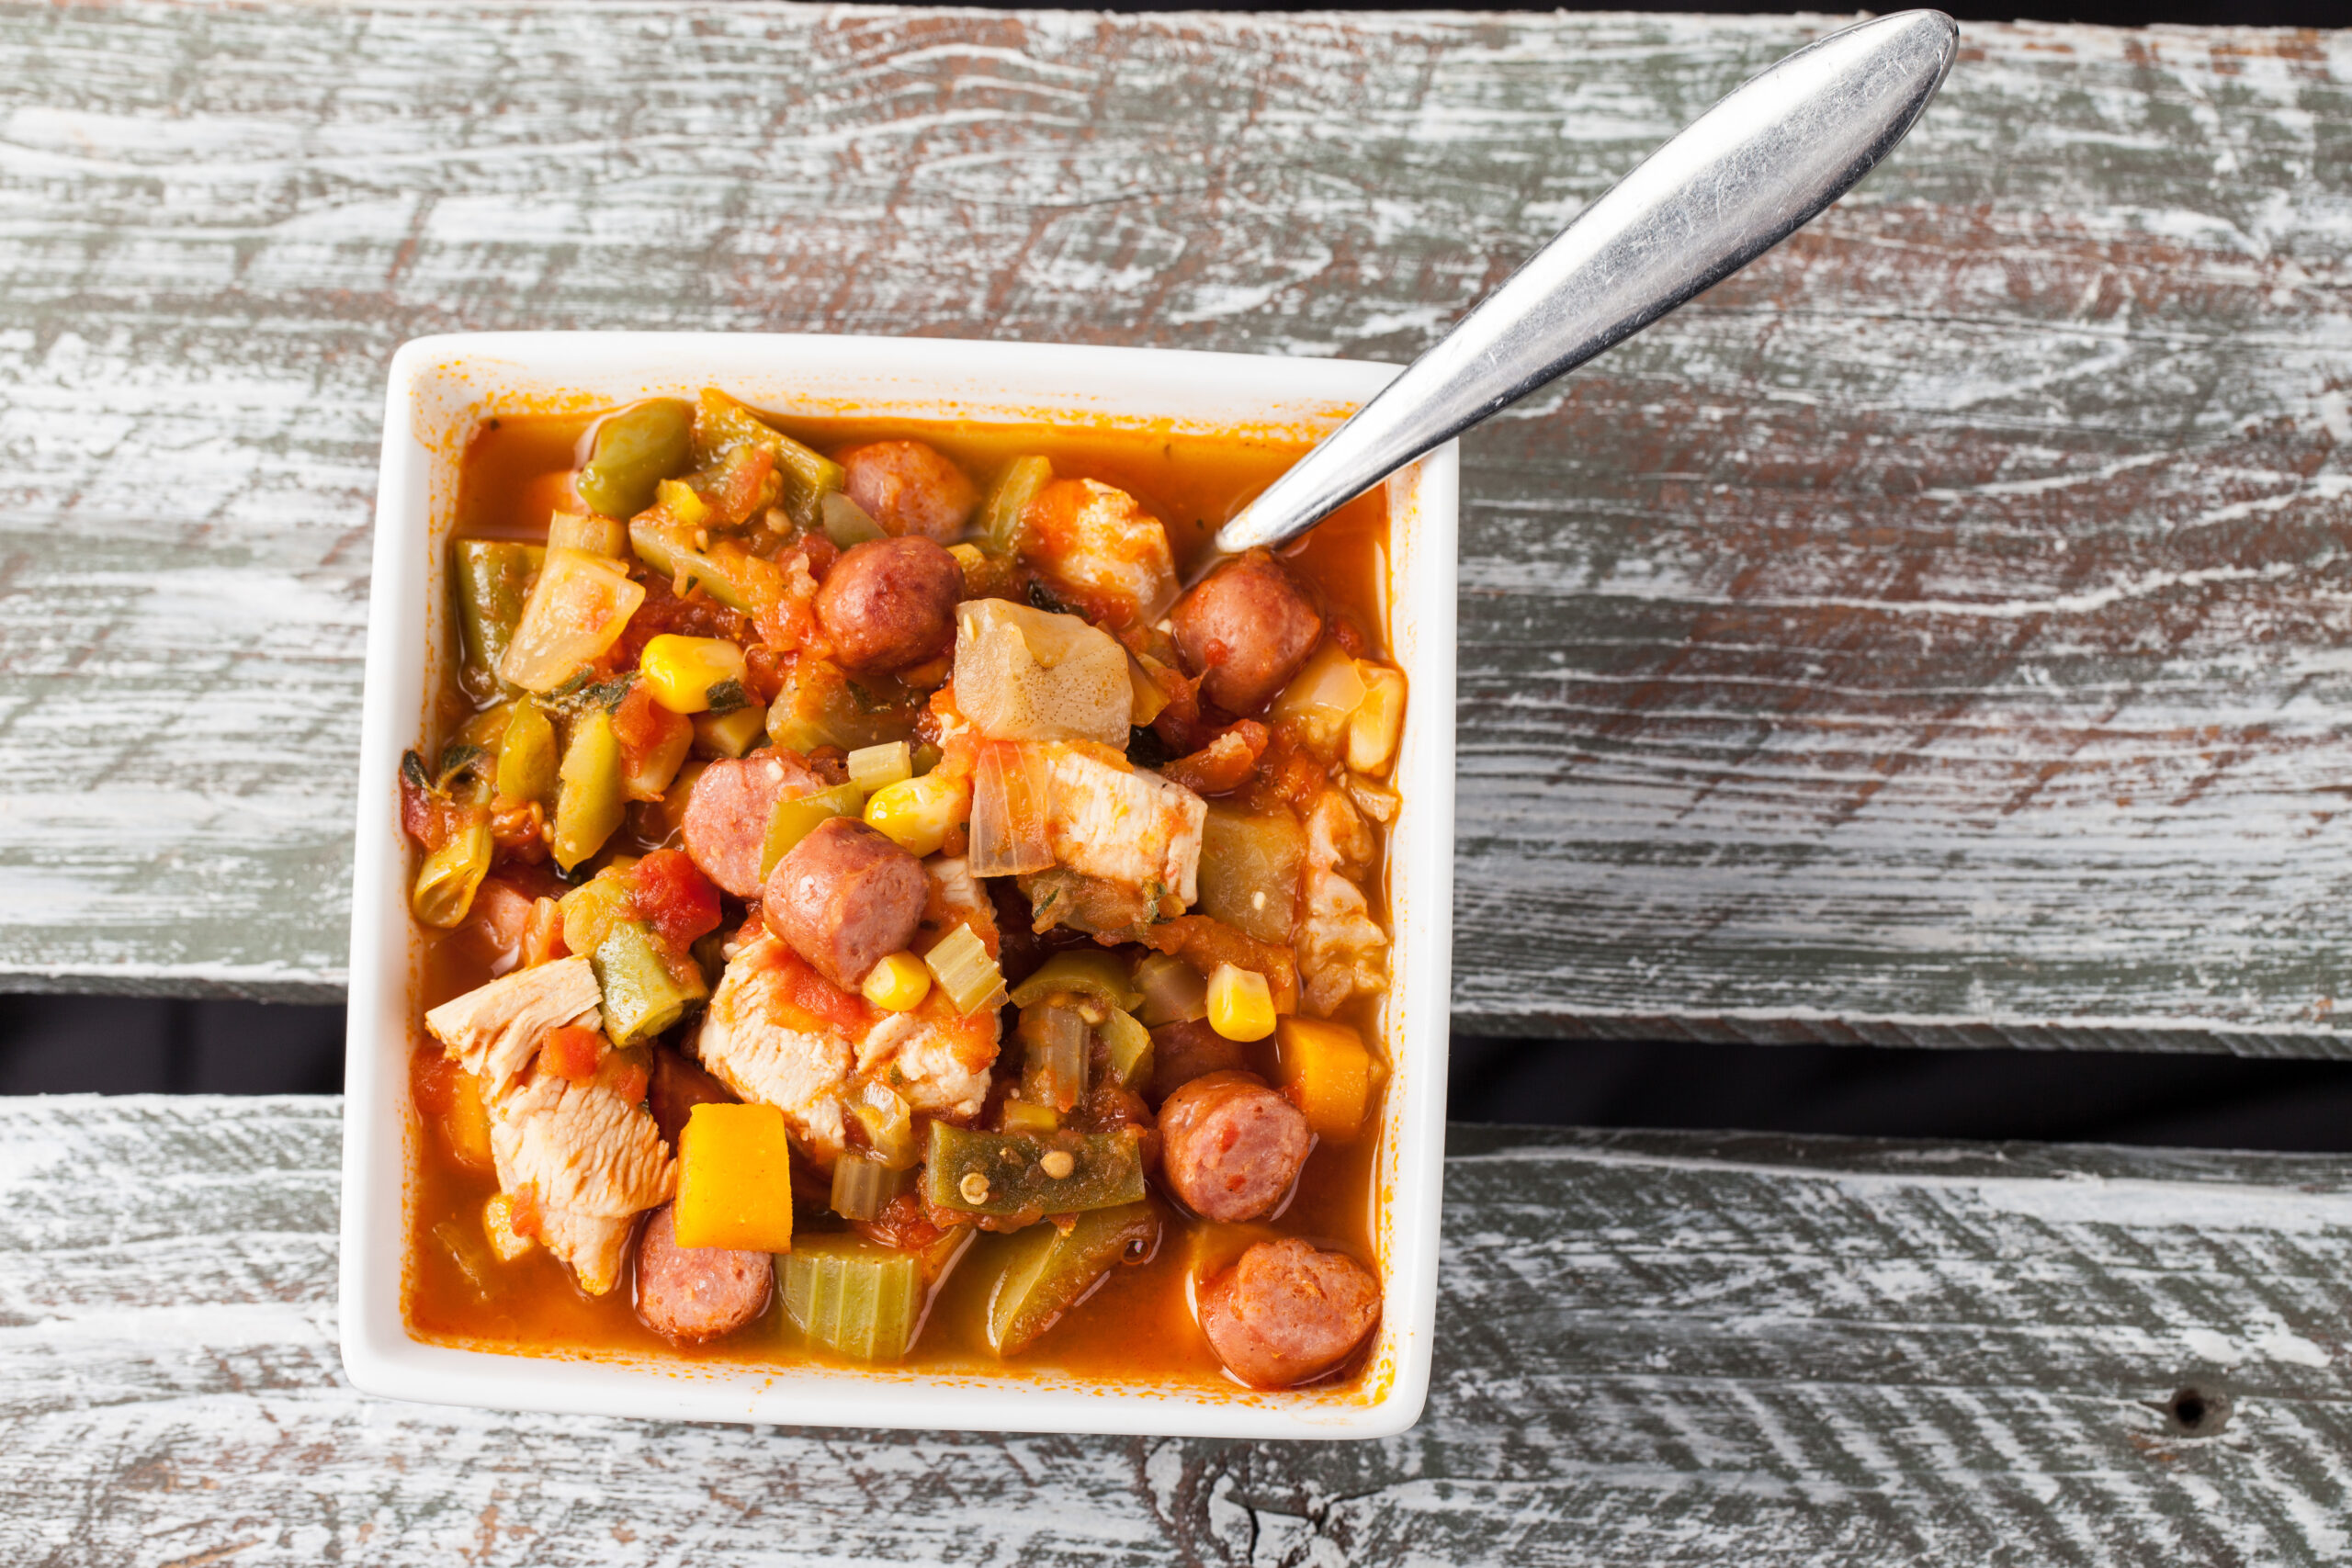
x,y
874,915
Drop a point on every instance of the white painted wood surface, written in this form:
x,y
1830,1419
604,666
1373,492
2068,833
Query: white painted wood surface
x,y
1652,1351
1934,635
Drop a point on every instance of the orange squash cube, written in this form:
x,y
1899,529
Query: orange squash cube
x,y
735,1180
1328,1074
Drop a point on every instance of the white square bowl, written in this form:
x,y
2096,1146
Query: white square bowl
x,y
440,387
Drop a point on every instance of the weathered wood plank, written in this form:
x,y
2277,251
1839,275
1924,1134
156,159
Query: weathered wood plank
x,y
1654,1350
1932,636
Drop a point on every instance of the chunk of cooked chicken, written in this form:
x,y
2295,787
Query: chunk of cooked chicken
x,y
595,1162
1342,949
1121,825
1099,540
779,1033
494,1029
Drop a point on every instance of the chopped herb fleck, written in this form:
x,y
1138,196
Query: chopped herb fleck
x,y
726,697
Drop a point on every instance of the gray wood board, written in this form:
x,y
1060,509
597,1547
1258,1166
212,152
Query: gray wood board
x,y
1933,636
1653,1350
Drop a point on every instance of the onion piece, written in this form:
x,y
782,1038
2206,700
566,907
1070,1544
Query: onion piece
x,y
576,612
1173,991
1321,698
1010,785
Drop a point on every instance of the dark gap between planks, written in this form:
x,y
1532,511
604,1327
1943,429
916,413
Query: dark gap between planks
x,y
2100,13
135,1045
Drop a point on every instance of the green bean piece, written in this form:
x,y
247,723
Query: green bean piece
x,y
1004,1175
725,570
493,579
588,798
1002,530
635,450
1083,973
721,424
643,995
1046,1271
1129,1046
852,1296
526,756
446,882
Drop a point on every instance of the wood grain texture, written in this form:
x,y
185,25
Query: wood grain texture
x,y
1654,1350
1933,636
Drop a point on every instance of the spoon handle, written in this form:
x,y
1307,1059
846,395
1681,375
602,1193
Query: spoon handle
x,y
1738,181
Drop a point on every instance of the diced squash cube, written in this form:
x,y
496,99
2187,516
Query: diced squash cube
x,y
1328,1074
731,734
735,1178
467,1122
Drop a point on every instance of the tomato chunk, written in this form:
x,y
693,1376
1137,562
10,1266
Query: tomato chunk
x,y
674,898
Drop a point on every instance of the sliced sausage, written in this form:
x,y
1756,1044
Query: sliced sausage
x,y
1230,1147
1245,631
1288,1311
845,897
676,1088
1182,1051
909,487
891,602
688,1294
727,816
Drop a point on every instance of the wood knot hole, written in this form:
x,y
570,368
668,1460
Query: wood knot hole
x,y
2196,1412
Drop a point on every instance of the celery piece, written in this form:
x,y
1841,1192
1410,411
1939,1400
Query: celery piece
x,y
1082,973
796,819
873,768
588,802
445,883
1129,1046
1047,1272
635,450
721,424
1002,530
852,1296
846,523
1003,1174
526,759
863,1185
889,1124
1053,1056
493,579
965,971
642,995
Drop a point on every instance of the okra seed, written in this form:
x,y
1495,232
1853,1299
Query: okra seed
x,y
975,1187
1056,1163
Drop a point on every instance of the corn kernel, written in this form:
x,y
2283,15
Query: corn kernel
x,y
680,671
898,983
681,502
1373,726
873,768
735,1180
1327,1073
498,1223
1241,1005
917,813
732,734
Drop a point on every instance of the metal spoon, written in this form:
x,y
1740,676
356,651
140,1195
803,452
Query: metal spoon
x,y
1738,181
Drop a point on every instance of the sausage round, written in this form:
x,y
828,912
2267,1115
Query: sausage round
x,y
1230,1147
691,1294
909,487
1287,1312
725,824
891,602
845,897
1245,631
1182,1051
